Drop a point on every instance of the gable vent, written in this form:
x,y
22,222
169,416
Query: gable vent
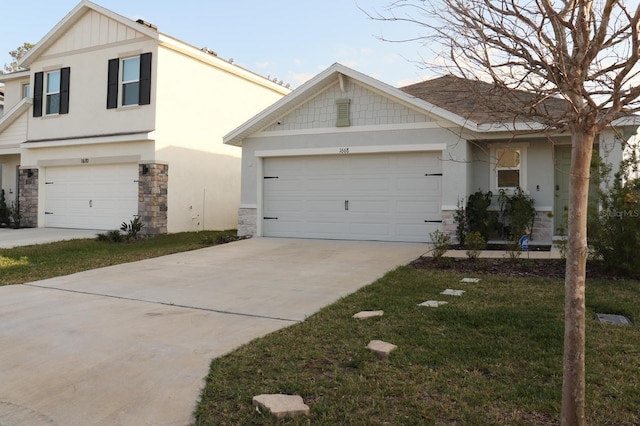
x,y
344,118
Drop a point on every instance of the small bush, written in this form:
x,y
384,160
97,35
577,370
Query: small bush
x,y
475,243
518,213
15,213
478,217
5,213
110,236
460,218
133,228
514,251
441,242
614,229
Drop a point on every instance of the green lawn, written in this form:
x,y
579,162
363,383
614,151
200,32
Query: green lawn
x,y
36,262
492,356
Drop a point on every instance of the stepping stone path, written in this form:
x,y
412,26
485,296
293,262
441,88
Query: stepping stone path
x,y
450,292
380,348
280,405
470,280
368,314
432,303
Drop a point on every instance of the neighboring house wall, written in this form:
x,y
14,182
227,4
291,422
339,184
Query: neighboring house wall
x,y
166,145
197,104
88,57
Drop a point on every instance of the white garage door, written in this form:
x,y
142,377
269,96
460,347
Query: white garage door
x,y
380,197
91,197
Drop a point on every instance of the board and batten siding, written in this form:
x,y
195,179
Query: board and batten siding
x,y
366,108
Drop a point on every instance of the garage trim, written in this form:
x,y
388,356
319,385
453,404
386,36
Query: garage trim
x,y
261,155
346,150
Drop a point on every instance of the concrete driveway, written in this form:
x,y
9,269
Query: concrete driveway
x,y
27,236
131,344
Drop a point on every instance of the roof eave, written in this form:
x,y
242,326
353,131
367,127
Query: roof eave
x,y
15,112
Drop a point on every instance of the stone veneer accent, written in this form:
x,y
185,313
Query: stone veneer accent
x,y
449,224
28,196
542,227
153,184
247,219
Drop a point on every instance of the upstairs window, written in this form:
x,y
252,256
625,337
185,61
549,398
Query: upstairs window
x,y
51,92
129,81
26,90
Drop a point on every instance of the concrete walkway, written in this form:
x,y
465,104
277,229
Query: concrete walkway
x,y
131,344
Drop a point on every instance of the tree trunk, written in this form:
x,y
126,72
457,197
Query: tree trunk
x,y
573,386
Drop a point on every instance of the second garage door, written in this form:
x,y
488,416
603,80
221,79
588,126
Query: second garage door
x,y
91,197
381,197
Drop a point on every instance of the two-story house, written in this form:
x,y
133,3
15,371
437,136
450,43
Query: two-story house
x,y
112,119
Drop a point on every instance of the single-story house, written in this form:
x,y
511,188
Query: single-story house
x,y
112,119
346,156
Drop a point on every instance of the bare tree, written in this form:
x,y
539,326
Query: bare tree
x,y
17,55
585,52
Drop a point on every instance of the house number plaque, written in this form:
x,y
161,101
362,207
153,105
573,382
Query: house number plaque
x,y
84,161
344,150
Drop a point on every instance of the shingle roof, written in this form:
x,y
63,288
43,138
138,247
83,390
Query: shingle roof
x,y
485,103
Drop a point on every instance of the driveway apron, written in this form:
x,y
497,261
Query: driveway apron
x,y
130,344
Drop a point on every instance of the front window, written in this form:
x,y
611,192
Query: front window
x,y
508,168
131,81
53,92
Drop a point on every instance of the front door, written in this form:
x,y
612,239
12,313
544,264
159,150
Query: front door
x,y
562,166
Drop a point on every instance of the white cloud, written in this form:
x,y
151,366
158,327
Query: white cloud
x,y
263,65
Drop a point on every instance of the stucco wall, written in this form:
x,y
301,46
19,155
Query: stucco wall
x,y
88,114
197,105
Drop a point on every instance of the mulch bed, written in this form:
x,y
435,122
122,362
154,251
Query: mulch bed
x,y
522,267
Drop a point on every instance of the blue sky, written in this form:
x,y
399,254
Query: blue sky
x,y
289,39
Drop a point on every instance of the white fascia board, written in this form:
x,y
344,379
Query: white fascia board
x,y
15,112
15,75
351,129
348,150
92,140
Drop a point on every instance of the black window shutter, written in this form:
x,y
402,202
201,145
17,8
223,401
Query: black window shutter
x,y
145,79
65,74
112,83
38,85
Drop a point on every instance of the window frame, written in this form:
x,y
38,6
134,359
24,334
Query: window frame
x,y
521,148
48,93
42,93
122,83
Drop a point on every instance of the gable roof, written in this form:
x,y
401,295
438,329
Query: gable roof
x,y
147,30
70,20
453,99
319,83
